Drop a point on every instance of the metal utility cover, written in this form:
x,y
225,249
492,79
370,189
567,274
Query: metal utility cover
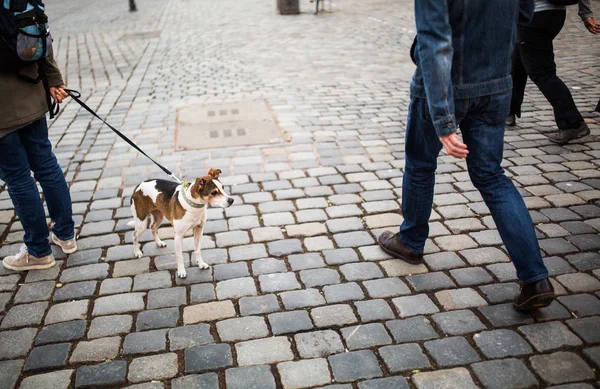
x,y
226,125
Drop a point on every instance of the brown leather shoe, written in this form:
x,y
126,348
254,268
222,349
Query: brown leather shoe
x,y
392,244
534,296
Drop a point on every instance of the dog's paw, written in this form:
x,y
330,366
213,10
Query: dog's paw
x,y
160,243
181,273
203,265
138,253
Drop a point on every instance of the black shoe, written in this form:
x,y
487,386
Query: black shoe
x,y
391,244
511,120
534,296
564,136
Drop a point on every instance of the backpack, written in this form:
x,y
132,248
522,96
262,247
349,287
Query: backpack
x,y
563,2
24,33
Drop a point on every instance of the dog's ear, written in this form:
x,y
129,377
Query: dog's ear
x,y
196,189
214,173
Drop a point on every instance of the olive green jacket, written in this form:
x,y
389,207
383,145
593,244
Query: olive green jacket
x,y
21,102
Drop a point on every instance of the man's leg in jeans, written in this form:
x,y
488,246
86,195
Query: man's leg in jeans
x,y
15,171
50,176
483,133
422,147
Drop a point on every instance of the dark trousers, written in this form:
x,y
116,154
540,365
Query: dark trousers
x,y
534,56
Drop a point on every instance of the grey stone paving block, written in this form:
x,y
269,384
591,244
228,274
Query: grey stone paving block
x,y
340,256
505,373
318,344
585,242
593,353
265,234
145,342
460,298
581,305
366,336
444,379
302,299
244,328
499,293
361,271
430,281
17,343
333,315
355,365
75,291
46,274
549,336
60,332
374,310
552,312
96,350
386,287
343,292
164,298
156,280
56,380
585,261
319,277
280,248
232,238
293,374
471,276
305,261
384,383
97,271
373,253
414,305
210,357
290,322
108,373
268,266
67,311
202,293
251,377
49,356
246,252
258,305
557,265
32,292
236,288
24,315
587,328
157,318
484,255
155,367
579,282
189,336
208,312
344,224
10,372
398,268
404,357
561,367
504,315
353,239
278,282
458,322
410,330
451,351
119,303
501,344
264,351
109,326
116,286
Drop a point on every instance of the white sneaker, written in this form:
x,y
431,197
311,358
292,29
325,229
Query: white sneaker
x,y
67,246
23,261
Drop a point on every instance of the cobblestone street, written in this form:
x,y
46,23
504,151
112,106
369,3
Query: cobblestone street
x,y
299,295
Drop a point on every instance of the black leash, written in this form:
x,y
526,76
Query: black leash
x,y
76,96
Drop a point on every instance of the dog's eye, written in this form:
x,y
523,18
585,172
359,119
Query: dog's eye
x,y
214,193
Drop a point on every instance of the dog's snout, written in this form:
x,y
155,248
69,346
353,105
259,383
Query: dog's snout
x,y
230,201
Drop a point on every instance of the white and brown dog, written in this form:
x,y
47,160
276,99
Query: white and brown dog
x,y
184,205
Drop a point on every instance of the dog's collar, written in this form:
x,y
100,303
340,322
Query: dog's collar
x,y
188,201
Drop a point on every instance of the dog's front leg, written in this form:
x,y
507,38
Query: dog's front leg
x,y
197,243
181,273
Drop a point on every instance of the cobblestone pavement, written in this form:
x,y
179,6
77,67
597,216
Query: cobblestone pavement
x,y
299,295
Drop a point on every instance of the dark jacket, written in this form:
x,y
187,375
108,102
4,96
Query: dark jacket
x,y
21,102
463,51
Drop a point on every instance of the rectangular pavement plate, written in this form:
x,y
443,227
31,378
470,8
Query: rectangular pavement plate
x,y
226,125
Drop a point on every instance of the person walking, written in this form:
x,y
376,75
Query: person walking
x,y
25,147
463,80
534,57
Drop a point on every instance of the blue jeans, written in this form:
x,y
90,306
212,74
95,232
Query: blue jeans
x,y
482,126
21,152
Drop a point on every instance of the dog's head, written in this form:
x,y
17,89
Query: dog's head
x,y
210,190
